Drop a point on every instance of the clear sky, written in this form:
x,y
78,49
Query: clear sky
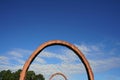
x,y
92,26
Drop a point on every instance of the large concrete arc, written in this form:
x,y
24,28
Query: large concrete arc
x,y
57,42
58,73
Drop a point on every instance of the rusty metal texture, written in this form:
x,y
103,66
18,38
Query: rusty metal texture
x,y
57,42
58,74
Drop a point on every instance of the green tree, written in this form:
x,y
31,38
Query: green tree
x,y
5,75
17,74
8,75
39,77
30,75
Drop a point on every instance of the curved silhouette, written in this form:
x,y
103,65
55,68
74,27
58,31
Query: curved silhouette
x,y
57,42
58,74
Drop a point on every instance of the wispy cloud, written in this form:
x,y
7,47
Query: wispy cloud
x,y
69,62
4,60
15,54
40,60
19,53
105,64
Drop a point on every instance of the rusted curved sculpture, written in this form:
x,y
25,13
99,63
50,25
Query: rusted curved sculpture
x,y
57,42
58,74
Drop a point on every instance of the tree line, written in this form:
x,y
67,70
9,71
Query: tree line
x,y
9,75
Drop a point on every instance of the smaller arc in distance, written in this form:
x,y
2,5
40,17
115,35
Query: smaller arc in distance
x,y
58,74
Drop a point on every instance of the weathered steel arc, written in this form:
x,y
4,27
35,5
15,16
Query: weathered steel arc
x,y
57,42
58,73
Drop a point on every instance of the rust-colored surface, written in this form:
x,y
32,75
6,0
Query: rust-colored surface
x,y
58,74
57,42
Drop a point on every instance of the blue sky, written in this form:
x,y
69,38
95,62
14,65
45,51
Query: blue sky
x,y
92,26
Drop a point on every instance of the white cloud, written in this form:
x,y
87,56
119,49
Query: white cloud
x,y
4,60
20,53
85,49
47,54
40,60
15,54
70,63
94,48
49,69
105,64
66,56
18,60
11,67
68,69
